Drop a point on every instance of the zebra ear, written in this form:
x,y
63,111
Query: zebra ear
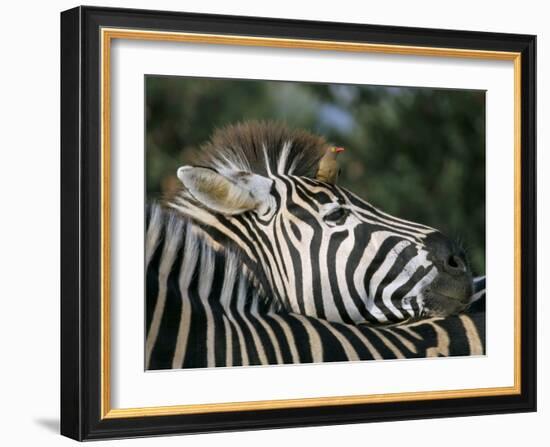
x,y
232,192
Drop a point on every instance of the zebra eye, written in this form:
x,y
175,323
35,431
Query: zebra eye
x,y
337,216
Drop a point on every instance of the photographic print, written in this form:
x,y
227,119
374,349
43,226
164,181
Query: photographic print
x,y
270,223
292,222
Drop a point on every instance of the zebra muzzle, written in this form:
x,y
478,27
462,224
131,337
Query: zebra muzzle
x,y
448,294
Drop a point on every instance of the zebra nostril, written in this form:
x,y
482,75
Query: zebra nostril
x,y
455,263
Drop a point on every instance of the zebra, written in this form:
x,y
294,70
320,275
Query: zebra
x,y
203,310
315,248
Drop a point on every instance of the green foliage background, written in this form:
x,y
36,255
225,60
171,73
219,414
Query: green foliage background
x,y
416,153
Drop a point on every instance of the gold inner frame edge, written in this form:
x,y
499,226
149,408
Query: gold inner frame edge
x,y
106,36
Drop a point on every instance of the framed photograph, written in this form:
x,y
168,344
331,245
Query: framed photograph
x,y
273,223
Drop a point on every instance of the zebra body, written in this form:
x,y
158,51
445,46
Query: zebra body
x,y
203,309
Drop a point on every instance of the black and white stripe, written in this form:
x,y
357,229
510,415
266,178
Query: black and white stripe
x,y
204,310
317,249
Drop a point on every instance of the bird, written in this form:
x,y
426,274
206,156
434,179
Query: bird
x,y
328,167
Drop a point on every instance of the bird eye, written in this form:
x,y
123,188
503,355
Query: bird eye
x,y
337,216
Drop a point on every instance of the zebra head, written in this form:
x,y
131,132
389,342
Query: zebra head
x,y
315,247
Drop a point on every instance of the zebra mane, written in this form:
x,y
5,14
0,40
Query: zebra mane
x,y
173,233
263,147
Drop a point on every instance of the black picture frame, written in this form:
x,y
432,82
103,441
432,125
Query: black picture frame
x,y
81,387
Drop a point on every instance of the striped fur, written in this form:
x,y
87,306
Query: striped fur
x,y
204,310
315,248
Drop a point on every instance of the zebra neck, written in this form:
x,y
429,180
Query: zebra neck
x,y
236,235
186,257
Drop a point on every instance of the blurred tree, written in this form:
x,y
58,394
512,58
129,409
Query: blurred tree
x,y
417,153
